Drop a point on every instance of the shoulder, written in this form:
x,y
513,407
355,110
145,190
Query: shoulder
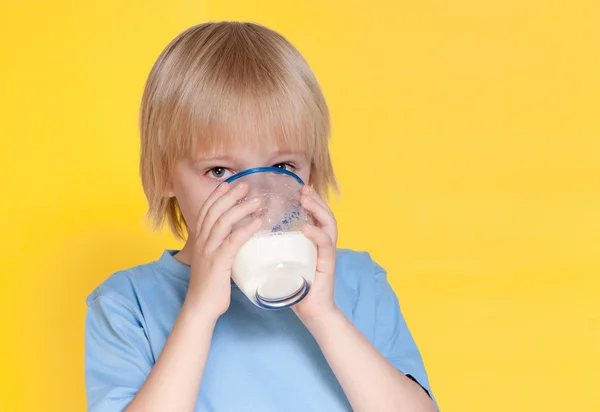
x,y
360,289
124,286
356,279
356,267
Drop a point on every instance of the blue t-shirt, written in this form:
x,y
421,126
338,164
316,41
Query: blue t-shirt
x,y
259,360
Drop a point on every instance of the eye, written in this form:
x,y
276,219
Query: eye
x,y
219,173
284,166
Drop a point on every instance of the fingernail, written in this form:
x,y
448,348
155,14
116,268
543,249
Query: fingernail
x,y
241,186
254,200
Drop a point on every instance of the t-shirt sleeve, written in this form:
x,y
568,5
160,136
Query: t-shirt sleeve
x,y
118,358
392,337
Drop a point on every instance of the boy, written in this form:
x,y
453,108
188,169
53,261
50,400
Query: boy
x,y
176,334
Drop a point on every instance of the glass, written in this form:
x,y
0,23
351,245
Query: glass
x,y
276,267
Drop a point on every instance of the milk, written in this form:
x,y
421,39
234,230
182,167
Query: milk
x,y
275,265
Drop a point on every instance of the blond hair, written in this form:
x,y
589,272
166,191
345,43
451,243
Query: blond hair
x,y
217,85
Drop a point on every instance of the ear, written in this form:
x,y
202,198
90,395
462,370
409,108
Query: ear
x,y
169,190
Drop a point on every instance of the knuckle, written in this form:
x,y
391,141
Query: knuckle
x,y
236,238
228,246
199,221
202,249
229,241
210,214
221,221
237,235
212,262
211,258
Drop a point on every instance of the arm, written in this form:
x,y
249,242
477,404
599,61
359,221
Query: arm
x,y
369,380
119,372
175,379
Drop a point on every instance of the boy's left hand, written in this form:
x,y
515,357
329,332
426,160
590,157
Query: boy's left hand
x,y
319,301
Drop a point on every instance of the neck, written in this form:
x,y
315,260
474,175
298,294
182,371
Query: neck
x,y
185,254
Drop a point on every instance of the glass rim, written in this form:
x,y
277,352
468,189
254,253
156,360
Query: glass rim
x,y
268,169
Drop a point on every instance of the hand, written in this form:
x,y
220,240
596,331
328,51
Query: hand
x,y
215,247
319,301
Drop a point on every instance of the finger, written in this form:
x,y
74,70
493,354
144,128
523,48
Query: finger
x,y
218,192
325,248
323,216
220,206
312,193
232,243
225,223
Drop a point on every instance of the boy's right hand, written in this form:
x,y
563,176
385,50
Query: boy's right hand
x,y
215,247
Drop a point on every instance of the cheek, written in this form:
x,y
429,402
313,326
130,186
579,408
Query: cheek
x,y
191,195
304,174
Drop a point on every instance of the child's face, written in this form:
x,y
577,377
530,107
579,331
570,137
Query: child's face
x,y
194,179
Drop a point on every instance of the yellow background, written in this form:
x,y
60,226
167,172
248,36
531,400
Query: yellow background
x,y
467,144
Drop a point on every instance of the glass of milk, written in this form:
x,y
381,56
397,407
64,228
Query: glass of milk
x,y
276,267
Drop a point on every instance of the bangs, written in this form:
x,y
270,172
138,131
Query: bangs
x,y
257,119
